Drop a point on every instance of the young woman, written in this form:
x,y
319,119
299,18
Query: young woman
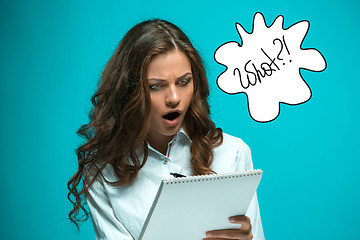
x,y
150,118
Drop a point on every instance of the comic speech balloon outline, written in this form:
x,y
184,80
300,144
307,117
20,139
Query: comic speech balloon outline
x,y
266,66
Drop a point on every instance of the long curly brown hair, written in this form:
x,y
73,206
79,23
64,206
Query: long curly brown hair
x,y
119,120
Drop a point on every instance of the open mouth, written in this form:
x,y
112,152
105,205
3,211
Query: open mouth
x,y
171,116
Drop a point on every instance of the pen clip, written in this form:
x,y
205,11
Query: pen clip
x,y
177,175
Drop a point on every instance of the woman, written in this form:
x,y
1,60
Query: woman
x,y
150,118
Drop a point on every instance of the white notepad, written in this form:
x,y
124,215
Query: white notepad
x,y
186,208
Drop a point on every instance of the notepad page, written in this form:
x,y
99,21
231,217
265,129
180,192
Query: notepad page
x,y
186,209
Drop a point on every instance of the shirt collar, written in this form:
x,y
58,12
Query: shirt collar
x,y
180,134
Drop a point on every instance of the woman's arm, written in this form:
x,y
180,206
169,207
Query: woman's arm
x,y
106,224
237,154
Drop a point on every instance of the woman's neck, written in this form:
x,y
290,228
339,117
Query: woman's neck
x,y
159,142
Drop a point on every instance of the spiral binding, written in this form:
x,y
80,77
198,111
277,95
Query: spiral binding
x,y
211,177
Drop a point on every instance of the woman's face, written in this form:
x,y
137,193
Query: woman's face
x,y
171,89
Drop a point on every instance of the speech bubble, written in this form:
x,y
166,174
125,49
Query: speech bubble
x,y
266,66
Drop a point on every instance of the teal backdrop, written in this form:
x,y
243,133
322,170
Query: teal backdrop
x,y
53,52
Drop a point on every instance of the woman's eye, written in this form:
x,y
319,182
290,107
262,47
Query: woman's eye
x,y
155,86
184,82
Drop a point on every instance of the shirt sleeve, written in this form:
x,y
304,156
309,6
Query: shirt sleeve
x,y
106,224
244,161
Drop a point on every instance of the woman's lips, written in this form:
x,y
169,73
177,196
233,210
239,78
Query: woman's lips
x,y
171,118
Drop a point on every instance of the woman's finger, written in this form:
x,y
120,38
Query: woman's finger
x,y
243,220
228,234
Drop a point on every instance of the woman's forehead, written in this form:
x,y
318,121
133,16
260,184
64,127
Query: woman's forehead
x,y
169,65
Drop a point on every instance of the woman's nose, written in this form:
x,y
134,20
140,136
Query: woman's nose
x,y
173,98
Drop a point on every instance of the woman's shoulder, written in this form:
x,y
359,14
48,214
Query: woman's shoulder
x,y
232,155
235,143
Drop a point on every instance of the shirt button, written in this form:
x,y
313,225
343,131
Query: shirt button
x,y
165,161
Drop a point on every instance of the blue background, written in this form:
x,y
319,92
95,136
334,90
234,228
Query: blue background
x,y
53,52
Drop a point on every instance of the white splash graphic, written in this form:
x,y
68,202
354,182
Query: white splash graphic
x,y
266,67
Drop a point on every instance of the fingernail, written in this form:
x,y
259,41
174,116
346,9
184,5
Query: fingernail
x,y
231,219
209,234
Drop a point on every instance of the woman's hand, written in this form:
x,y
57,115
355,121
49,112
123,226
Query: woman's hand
x,y
243,233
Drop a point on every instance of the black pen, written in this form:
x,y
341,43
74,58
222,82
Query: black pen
x,y
177,175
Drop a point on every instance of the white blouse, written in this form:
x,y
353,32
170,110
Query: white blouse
x,y
120,212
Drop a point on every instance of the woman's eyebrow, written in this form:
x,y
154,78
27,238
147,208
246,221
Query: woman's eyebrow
x,y
163,80
185,75
156,79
